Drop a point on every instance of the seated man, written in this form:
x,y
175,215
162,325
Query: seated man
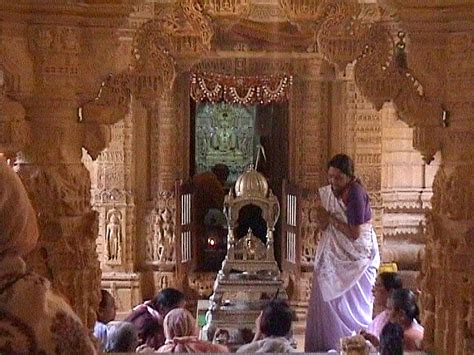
x,y
272,328
209,191
105,314
148,317
209,194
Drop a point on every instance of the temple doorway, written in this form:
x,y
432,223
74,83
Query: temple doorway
x,y
231,134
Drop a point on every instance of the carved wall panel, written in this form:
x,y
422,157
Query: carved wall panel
x,y
310,231
160,247
112,176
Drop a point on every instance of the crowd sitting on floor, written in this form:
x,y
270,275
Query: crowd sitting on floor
x,y
164,325
35,319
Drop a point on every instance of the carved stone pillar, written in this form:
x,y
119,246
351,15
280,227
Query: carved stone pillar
x,y
55,178
309,128
58,79
164,145
406,191
159,250
309,122
441,51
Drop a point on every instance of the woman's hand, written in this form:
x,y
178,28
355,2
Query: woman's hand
x,y
322,217
370,337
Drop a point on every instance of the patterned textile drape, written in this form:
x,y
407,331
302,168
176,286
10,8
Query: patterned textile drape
x,y
243,90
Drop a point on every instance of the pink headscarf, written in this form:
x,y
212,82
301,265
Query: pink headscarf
x,y
181,335
18,227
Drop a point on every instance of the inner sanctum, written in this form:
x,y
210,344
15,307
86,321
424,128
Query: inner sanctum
x,y
114,115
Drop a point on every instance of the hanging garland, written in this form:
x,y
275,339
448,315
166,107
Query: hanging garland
x,y
242,90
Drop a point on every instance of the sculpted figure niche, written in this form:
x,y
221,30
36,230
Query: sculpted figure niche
x,y
113,237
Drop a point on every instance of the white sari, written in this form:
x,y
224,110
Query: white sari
x,y
339,261
344,273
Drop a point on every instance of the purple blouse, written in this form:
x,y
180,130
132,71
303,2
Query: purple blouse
x,y
358,205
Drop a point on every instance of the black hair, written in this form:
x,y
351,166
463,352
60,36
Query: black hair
x,y
344,163
121,337
276,318
391,280
167,299
105,296
405,300
221,171
391,339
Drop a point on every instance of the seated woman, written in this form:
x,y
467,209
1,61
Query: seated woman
x,y
33,318
404,311
391,339
272,328
181,335
385,283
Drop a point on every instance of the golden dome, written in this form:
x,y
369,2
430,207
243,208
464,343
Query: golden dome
x,y
251,184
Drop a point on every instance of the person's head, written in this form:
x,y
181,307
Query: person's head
x,y
168,299
385,283
150,334
391,339
403,307
107,308
340,171
276,319
221,171
179,322
18,226
121,337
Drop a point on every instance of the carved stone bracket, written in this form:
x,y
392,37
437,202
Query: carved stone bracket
x,y
380,71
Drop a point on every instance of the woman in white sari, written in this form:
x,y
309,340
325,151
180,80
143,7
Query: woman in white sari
x,y
346,261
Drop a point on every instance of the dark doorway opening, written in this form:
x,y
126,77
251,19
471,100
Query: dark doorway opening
x,y
265,125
